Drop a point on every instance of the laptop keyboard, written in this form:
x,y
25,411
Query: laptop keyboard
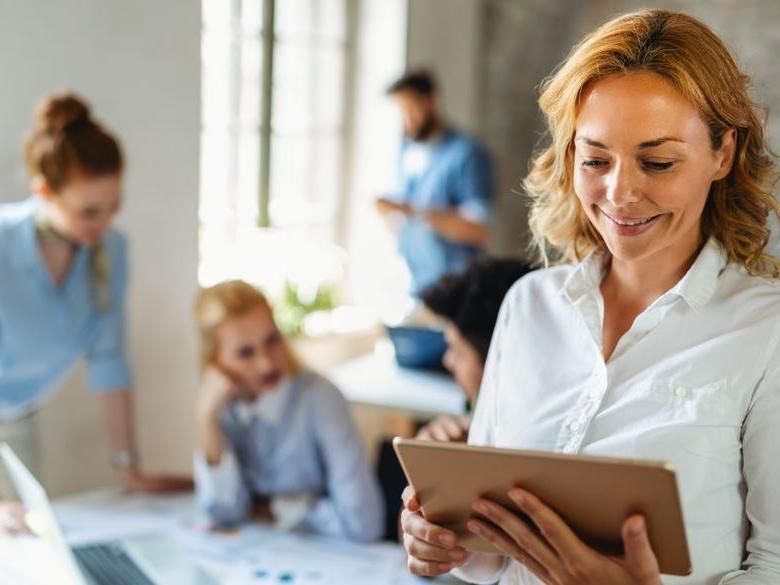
x,y
109,564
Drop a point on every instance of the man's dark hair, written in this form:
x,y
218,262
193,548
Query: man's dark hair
x,y
470,300
420,81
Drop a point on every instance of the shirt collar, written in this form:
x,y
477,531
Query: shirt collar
x,y
699,283
585,278
269,406
696,287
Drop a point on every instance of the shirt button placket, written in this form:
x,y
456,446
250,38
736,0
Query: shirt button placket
x,y
587,407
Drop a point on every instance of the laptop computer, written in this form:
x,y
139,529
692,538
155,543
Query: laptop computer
x,y
143,560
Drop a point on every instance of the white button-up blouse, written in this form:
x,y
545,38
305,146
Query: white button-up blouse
x,y
695,381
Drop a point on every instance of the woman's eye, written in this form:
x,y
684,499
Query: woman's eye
x,y
658,166
273,339
245,353
593,163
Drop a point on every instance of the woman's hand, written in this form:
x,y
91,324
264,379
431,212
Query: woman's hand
x,y
12,517
556,555
445,428
133,480
432,550
217,389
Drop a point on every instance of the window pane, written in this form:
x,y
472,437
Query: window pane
x,y
291,180
248,186
305,177
332,19
293,90
217,14
326,188
251,80
251,16
216,201
329,71
294,18
215,81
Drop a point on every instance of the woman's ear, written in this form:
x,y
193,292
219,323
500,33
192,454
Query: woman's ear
x,y
725,154
41,188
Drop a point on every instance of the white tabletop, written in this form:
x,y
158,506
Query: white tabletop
x,y
376,379
255,554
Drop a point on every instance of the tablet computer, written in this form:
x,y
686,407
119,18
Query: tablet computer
x,y
594,495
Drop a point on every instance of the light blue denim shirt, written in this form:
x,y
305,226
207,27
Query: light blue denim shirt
x,y
44,328
298,440
452,173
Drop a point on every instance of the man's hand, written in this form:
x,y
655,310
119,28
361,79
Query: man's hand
x,y
386,206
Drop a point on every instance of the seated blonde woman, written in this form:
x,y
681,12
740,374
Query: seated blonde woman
x,y
658,336
273,437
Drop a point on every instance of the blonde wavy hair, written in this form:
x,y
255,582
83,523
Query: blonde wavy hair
x,y
689,55
216,304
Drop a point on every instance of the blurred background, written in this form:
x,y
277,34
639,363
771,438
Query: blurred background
x,y
258,136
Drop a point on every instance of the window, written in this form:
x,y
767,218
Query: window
x,y
297,136
273,136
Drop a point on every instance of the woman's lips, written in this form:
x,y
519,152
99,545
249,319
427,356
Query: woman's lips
x,y
625,226
270,379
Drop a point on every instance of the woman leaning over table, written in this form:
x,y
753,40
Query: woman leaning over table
x,y
658,336
63,277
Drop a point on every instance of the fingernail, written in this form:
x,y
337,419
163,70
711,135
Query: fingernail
x,y
637,527
456,555
518,497
480,507
445,566
474,527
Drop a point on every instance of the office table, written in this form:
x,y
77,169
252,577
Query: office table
x,y
376,379
256,554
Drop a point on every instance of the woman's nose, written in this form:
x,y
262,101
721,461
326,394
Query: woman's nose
x,y
623,186
262,362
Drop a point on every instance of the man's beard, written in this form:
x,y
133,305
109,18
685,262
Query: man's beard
x,y
426,129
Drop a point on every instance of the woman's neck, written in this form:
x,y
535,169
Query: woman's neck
x,y
638,283
629,287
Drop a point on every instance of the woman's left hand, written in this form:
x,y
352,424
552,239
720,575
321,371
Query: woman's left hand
x,y
133,480
556,555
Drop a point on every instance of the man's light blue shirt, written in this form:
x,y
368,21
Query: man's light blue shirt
x,y
455,174
45,328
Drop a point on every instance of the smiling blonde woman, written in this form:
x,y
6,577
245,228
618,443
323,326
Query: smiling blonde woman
x,y
658,335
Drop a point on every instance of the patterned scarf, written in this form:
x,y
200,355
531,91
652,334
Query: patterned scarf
x,y
99,262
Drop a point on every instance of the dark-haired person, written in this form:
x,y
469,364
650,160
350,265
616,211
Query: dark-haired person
x,y
469,302
63,275
445,191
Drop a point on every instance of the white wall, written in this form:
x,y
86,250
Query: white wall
x,y
446,36
139,64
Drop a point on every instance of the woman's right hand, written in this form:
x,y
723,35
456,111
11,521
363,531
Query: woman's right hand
x,y
431,550
12,517
217,390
